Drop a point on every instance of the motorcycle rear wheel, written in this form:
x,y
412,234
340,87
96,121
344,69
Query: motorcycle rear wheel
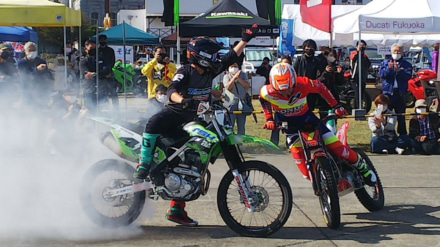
x,y
272,199
110,212
328,197
371,197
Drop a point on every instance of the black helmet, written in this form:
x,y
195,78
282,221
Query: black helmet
x,y
203,51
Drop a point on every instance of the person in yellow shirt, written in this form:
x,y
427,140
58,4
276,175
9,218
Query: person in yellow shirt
x,y
159,71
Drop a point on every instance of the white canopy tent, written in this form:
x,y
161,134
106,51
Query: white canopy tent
x,y
393,18
407,22
346,24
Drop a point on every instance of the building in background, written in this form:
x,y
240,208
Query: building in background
x,y
94,9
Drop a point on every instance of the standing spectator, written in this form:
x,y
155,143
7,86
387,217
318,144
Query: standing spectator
x,y
365,66
395,73
275,134
346,66
8,77
35,78
88,73
160,70
107,55
264,69
308,65
435,58
236,82
332,76
424,130
383,128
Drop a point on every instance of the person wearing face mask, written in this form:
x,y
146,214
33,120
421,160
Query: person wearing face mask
x,y
264,69
236,83
347,65
365,66
331,76
308,65
106,54
159,71
383,128
88,73
395,73
158,102
36,81
424,130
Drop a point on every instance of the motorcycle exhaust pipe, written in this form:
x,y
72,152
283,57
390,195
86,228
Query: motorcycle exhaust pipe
x,y
110,142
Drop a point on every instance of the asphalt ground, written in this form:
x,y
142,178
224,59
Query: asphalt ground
x,y
410,216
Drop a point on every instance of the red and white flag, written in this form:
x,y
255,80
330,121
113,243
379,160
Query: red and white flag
x,y
317,13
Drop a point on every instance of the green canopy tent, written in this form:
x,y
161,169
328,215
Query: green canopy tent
x,y
133,36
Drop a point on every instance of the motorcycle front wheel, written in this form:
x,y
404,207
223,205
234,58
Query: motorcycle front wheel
x,y
269,193
328,196
102,209
371,197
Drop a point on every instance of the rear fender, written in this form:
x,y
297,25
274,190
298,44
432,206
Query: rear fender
x,y
240,139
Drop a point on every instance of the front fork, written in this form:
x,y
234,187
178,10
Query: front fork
x,y
242,186
233,156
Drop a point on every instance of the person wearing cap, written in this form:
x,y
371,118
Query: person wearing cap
x,y
424,130
107,55
36,80
383,128
88,73
7,63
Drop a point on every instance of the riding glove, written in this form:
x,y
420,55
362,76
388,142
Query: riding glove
x,y
249,34
270,125
340,111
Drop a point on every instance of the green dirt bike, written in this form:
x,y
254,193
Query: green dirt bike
x,y
254,198
135,82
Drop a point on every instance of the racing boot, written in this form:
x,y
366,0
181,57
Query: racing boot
x,y
146,157
177,214
367,174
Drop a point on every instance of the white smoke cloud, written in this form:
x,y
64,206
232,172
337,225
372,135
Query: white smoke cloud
x,y
40,191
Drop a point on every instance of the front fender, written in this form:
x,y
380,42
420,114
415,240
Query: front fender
x,y
240,139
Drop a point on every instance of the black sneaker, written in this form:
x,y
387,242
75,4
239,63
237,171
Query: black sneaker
x,y
141,172
180,218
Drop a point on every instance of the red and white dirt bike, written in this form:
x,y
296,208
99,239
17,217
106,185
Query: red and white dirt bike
x,y
421,86
332,177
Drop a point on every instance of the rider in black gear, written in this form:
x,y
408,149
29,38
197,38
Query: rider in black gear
x,y
191,85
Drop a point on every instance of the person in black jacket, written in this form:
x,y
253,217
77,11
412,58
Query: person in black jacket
x,y
365,66
308,65
88,74
107,55
191,85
